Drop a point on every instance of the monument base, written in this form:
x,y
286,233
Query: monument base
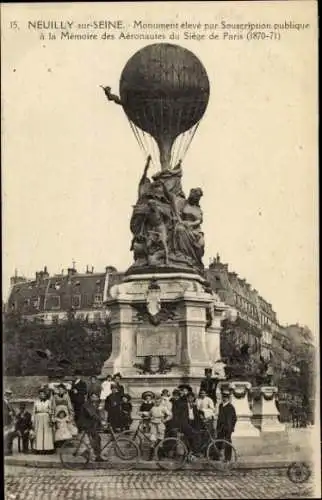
x,y
159,323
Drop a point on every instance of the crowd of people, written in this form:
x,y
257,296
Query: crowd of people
x,y
60,413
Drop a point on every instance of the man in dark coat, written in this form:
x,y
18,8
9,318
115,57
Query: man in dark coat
x,y
90,421
24,426
226,422
113,408
209,385
78,394
184,414
117,381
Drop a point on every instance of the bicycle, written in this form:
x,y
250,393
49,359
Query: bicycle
x,y
173,452
78,452
140,436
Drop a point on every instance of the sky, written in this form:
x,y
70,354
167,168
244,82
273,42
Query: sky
x,y
71,164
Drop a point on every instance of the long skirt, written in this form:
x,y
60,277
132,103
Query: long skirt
x,y
44,440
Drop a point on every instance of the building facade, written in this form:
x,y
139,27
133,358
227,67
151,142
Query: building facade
x,y
52,298
250,306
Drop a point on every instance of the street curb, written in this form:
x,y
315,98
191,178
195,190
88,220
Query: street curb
x,y
146,465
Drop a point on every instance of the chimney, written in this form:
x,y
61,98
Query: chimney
x,y
218,257
46,274
87,271
92,269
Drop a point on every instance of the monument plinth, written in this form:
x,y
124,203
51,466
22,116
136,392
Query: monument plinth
x,y
159,324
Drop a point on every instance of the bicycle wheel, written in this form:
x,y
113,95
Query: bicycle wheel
x,y
132,436
171,454
75,454
122,453
298,472
221,455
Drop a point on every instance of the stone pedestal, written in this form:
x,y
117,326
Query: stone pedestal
x,y
218,311
265,412
159,324
239,398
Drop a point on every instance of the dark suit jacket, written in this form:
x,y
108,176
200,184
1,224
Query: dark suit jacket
x,y
113,402
90,418
180,412
209,385
227,419
23,422
120,389
78,398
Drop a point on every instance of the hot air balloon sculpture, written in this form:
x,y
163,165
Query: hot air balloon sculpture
x,y
164,92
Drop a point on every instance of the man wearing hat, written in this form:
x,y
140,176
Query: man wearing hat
x,y
117,381
113,408
209,385
183,413
226,422
24,426
78,394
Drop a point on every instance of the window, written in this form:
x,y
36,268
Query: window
x,y
26,302
97,317
98,299
76,301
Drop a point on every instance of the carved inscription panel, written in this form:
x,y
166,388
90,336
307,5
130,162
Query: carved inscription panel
x,y
156,341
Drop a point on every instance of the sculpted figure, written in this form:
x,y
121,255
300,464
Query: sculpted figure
x,y
188,238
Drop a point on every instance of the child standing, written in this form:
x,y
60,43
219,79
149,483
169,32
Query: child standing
x,y
145,408
147,403
62,426
159,415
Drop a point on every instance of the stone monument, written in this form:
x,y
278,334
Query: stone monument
x,y
165,319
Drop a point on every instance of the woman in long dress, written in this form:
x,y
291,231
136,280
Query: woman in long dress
x,y
43,424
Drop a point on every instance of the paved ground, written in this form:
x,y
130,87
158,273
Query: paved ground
x,y
51,484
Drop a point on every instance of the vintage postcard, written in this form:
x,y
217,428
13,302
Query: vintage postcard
x,y
160,242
